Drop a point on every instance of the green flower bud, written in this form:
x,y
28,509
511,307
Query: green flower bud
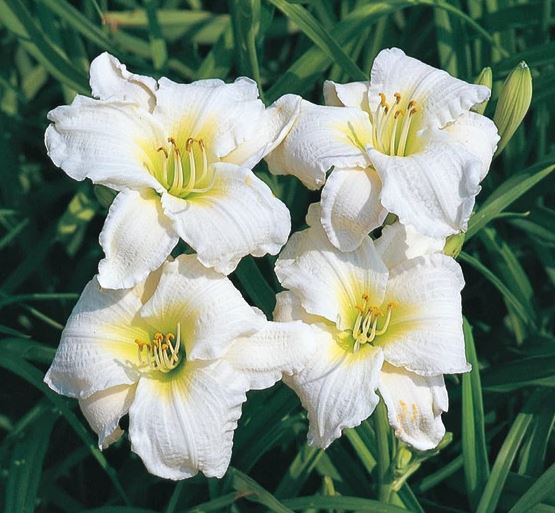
x,y
485,78
454,244
513,103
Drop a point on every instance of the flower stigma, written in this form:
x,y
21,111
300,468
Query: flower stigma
x,y
393,125
183,171
371,322
162,353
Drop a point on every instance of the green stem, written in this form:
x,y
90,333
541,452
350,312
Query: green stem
x,y
381,426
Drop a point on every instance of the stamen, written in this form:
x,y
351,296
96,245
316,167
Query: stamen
x,y
366,329
163,353
391,126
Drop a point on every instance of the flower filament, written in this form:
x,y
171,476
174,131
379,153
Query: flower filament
x,y
393,125
184,171
371,322
162,353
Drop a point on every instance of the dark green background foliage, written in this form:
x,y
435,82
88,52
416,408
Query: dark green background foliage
x,y
501,415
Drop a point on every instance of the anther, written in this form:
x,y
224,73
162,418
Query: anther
x,y
383,101
397,97
164,151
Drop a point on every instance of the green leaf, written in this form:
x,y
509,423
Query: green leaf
x,y
327,503
33,376
26,464
520,309
298,472
320,37
16,17
474,450
255,285
507,193
254,492
505,457
541,489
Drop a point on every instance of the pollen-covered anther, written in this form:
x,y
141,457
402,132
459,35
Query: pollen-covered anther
x,y
162,353
371,322
393,127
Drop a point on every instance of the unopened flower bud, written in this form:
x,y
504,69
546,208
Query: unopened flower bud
x,y
513,103
485,78
454,244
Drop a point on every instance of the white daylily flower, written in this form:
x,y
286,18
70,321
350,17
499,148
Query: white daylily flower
x,y
181,157
178,356
396,328
405,142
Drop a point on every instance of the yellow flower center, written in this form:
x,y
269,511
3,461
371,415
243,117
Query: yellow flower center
x,y
394,125
163,353
371,322
183,171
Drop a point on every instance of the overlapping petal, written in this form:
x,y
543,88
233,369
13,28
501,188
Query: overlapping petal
x,y
351,206
329,283
104,409
184,423
97,349
240,216
210,110
104,141
433,190
414,406
322,137
478,135
425,334
440,97
337,388
210,310
137,237
353,94
279,348
399,243
272,127
110,80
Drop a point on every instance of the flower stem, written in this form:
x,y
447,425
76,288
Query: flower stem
x,y
381,426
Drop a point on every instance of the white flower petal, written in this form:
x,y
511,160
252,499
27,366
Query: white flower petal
x,y
433,190
328,282
425,334
273,126
222,115
109,79
414,406
439,96
353,94
478,135
104,409
238,216
210,310
351,206
399,242
184,423
136,239
288,308
97,349
337,388
320,138
106,141
278,348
